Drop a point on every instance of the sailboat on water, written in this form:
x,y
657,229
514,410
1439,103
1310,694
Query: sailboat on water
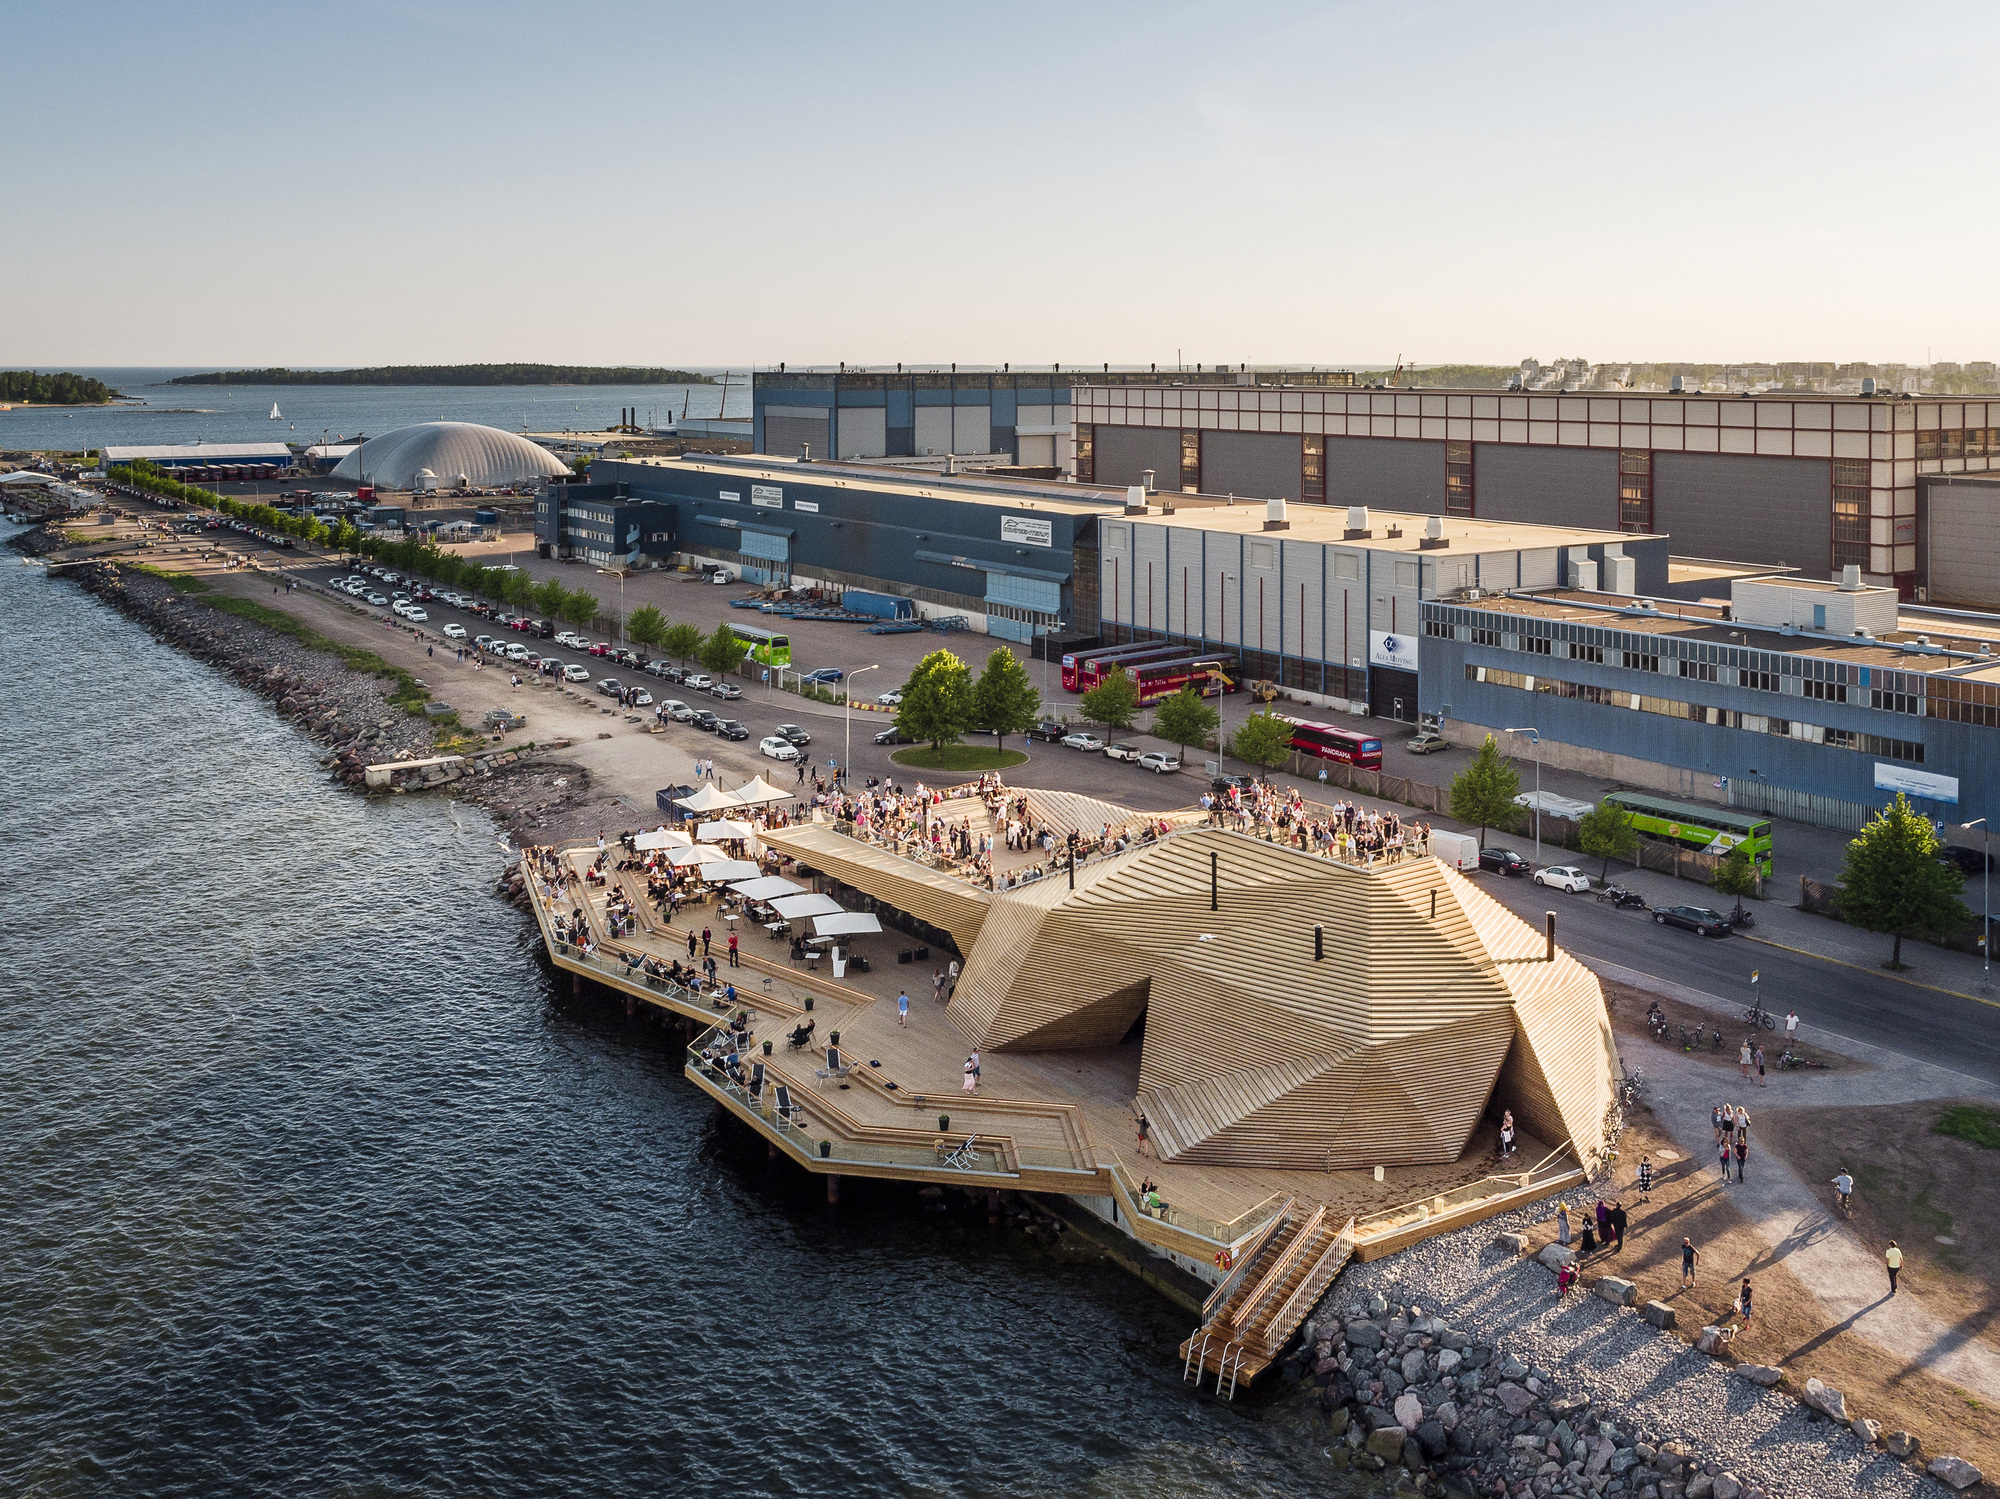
x,y
274,413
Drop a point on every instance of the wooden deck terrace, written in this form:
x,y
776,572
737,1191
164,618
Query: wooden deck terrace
x,y
1058,1122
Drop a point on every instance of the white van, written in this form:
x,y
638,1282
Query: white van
x,y
1455,850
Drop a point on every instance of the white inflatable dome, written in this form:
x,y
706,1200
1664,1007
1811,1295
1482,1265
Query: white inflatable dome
x,y
482,457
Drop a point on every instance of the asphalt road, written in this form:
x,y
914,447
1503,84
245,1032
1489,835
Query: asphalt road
x,y
1878,1008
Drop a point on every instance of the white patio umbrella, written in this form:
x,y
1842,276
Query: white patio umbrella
x,y
756,791
768,888
661,838
680,858
708,799
724,831
793,907
727,871
843,924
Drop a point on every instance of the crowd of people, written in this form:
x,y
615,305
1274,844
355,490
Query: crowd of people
x,y
1345,831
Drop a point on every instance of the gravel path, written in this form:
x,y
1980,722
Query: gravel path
x,y
1649,1380
1793,1217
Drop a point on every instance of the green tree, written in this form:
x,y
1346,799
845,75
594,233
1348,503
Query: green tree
x,y
519,589
1892,880
1736,876
1185,718
681,641
1004,699
1264,740
723,651
1113,702
937,700
1483,793
549,596
579,606
1605,833
647,626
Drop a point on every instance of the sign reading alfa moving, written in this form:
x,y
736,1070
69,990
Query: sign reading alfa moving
x,y
1027,531
1920,783
1386,648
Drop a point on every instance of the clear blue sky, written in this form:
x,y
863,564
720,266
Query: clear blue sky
x,y
444,181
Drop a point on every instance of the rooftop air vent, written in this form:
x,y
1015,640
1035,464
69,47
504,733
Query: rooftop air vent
x,y
1868,385
1850,578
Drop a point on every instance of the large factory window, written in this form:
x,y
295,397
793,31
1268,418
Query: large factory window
x,y
1086,453
1458,478
1635,490
1313,485
1850,513
1190,463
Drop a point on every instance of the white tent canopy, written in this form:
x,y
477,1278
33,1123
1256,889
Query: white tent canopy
x,y
29,476
756,791
793,907
727,871
661,838
680,858
845,923
710,798
768,888
724,831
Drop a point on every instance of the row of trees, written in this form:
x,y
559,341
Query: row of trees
x,y
62,389
455,374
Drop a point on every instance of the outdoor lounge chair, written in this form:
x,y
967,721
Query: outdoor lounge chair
x,y
788,1112
755,1087
965,1157
835,1069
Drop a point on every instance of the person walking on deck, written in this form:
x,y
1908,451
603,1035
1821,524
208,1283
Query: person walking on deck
x,y
903,1009
1893,1258
971,1077
1690,1257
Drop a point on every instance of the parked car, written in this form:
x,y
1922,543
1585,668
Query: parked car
x,y
1159,762
729,692
1083,740
454,631
378,599
825,676
698,681
1223,785
576,673
672,673
1504,861
626,657
776,747
1968,861
516,652
704,720
601,648
1563,877
1695,918
729,728
573,640
892,698
793,735
641,698
677,710
1427,742
481,642
1122,749
656,669
1049,731
893,735
610,686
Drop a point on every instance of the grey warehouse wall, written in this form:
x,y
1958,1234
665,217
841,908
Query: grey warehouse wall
x,y
1961,552
1746,509
1266,465
1546,486
784,435
1125,453
1395,473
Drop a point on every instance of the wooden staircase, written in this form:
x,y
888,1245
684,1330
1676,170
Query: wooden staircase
x,y
1253,1314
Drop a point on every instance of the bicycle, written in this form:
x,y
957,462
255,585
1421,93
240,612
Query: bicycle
x,y
1630,1085
1756,1015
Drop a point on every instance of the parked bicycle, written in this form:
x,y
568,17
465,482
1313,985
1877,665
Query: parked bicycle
x,y
1756,1015
1630,1084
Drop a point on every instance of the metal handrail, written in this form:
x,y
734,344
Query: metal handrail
x,y
1251,1250
1312,1287
1247,1313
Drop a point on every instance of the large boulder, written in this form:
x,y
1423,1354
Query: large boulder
x,y
1762,1374
1413,1366
1409,1411
1555,1256
1364,1334
1386,1442
1955,1471
1901,1444
1869,1431
1511,1243
1709,1340
1432,1437
1828,1401
1516,1400
1727,1486
1658,1313
1618,1292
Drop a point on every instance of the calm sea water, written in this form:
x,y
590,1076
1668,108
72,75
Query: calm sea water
x,y
317,1182
242,413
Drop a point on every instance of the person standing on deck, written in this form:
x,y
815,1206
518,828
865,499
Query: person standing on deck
x,y
1690,1257
903,1009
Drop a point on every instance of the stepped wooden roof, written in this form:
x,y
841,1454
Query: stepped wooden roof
x,y
1431,1001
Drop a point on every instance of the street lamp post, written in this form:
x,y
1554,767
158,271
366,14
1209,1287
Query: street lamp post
x,y
847,748
1986,877
1535,739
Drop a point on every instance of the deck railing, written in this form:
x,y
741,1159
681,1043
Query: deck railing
x,y
1552,1167
1219,1233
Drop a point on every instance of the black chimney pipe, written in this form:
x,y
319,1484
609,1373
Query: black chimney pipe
x,y
1319,943
1549,928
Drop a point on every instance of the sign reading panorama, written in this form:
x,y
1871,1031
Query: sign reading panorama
x,y
1027,531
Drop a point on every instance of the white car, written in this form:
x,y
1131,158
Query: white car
x,y
573,640
776,748
379,600
641,697
416,614
516,652
891,699
454,632
1158,763
1083,741
576,674
698,682
1121,750
677,710
1563,877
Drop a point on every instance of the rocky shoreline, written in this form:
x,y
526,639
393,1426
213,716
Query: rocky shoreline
x,y
349,712
1453,1367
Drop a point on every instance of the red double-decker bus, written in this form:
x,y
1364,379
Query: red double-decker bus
x,y
1073,663
1094,671
1331,742
1211,676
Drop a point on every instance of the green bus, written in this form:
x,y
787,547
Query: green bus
x,y
1712,830
766,646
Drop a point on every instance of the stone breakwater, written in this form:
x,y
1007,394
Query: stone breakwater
x,y
1454,1367
348,711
